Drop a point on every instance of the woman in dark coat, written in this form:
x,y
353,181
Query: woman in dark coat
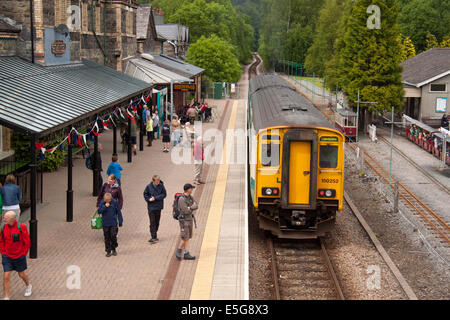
x,y
112,186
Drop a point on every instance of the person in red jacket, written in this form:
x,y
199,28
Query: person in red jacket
x,y
14,246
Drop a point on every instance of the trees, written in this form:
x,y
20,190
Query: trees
x,y
205,18
287,29
408,50
322,49
417,18
215,55
370,58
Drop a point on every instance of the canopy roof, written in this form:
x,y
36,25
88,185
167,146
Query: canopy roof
x,y
147,71
38,100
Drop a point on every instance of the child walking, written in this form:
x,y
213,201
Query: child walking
x,y
115,168
149,128
166,136
111,213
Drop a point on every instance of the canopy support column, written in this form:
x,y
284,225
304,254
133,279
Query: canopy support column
x,y
114,141
69,204
96,170
33,220
129,141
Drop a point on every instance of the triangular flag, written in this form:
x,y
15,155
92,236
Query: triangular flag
x,y
39,145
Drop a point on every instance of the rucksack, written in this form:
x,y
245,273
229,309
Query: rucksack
x,y
176,212
18,226
89,161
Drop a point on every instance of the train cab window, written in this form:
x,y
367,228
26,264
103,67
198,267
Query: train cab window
x,y
270,154
328,156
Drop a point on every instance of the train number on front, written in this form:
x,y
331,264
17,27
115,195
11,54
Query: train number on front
x,y
326,180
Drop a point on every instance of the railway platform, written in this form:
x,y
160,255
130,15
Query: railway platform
x,y
71,261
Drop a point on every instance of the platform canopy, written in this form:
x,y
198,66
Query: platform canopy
x,y
145,70
38,100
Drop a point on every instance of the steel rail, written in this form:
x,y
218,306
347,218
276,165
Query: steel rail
x,y
413,163
332,273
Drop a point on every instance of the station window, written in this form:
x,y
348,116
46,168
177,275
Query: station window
x,y
270,154
438,87
328,156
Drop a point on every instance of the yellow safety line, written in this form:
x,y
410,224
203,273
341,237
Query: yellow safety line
x,y
201,287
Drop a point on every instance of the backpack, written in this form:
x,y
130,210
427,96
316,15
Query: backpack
x,y
18,226
89,161
176,212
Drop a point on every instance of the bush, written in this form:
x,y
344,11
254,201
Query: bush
x,y
53,161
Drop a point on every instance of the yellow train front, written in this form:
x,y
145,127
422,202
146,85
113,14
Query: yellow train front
x,y
296,162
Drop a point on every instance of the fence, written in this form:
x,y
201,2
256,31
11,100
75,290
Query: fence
x,y
221,90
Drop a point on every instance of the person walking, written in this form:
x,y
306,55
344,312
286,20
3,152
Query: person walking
x,y
154,195
186,205
145,114
192,114
111,214
166,136
149,129
14,246
112,187
198,160
115,168
176,129
11,196
155,119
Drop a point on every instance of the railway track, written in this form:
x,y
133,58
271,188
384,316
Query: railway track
x,y
302,270
415,165
410,200
253,69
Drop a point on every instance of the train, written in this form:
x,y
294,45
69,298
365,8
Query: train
x,y
295,162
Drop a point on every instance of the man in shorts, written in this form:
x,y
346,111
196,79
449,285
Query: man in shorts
x,y
186,206
14,246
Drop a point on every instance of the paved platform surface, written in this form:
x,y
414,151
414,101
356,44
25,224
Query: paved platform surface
x,y
139,270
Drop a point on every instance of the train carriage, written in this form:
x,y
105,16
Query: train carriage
x,y
296,161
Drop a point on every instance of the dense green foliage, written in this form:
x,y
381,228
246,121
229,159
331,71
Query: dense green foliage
x,y
215,55
287,29
418,18
251,8
369,59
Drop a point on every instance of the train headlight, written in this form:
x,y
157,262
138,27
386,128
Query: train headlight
x,y
270,191
327,193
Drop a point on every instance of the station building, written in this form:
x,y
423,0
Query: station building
x,y
426,80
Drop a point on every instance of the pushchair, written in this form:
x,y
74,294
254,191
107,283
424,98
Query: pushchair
x,y
208,115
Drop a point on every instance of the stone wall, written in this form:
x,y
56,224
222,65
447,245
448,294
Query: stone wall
x,y
8,47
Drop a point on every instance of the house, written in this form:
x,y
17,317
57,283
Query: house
x,y
426,80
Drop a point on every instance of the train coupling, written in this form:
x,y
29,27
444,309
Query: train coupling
x,y
298,218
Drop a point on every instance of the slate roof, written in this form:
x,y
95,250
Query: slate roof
x,y
176,65
173,32
426,67
149,72
144,17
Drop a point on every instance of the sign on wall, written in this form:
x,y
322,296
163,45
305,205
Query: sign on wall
x,y
184,87
441,105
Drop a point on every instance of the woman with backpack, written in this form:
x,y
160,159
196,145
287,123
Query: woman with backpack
x,y
113,187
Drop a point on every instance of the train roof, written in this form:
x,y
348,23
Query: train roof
x,y
276,103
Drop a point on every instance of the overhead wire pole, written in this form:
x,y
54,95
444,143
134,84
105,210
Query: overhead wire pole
x,y
392,123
